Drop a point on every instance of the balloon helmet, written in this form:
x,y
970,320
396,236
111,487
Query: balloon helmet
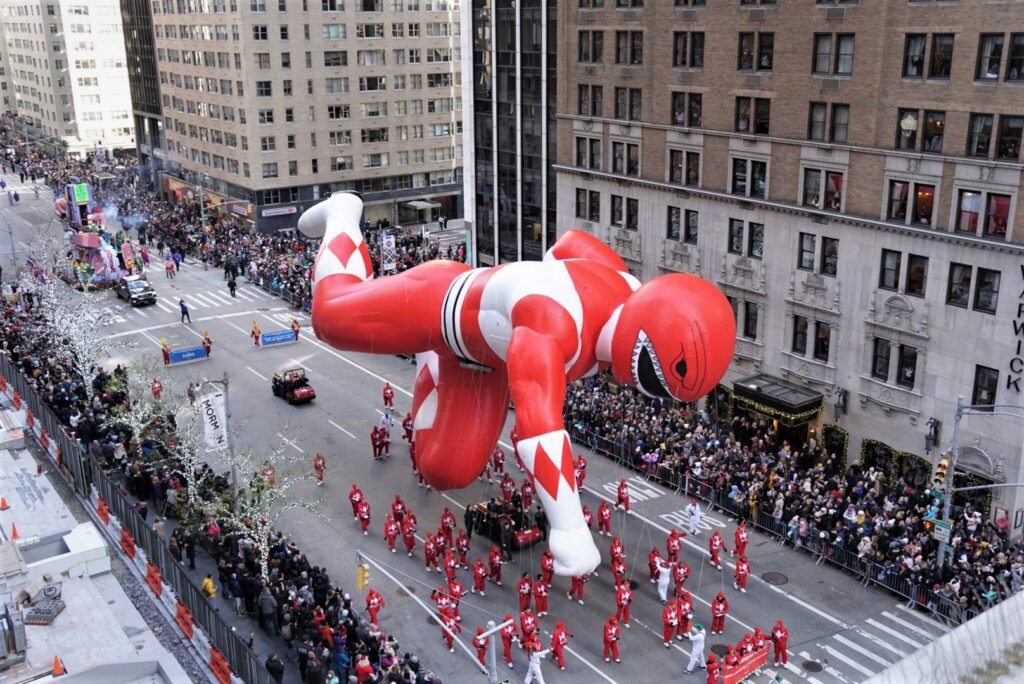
x,y
674,338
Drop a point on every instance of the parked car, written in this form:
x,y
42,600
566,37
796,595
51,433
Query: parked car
x,y
135,290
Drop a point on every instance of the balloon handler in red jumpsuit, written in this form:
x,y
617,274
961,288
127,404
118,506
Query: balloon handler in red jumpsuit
x,y
523,328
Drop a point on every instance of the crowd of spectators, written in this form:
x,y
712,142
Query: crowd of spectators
x,y
858,517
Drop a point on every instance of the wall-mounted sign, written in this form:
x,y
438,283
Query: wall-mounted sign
x,y
279,211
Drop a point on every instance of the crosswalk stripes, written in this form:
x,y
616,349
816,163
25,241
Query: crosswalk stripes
x,y
196,301
908,625
831,671
893,633
839,655
863,651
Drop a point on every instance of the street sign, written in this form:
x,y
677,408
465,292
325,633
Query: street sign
x,y
941,532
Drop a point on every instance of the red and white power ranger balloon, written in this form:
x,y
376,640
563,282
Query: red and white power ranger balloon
x,y
525,329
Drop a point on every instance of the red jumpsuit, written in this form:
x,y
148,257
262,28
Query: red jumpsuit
x,y
391,532
719,609
389,395
680,572
407,427
576,588
559,640
604,519
479,577
375,443
448,526
398,509
540,596
588,517
374,603
509,633
622,496
741,538
715,548
623,599
526,492
524,588
364,516
547,567
619,570
669,622
480,643
780,639
456,590
685,607
713,670
453,627
673,545
652,564
508,487
742,572
319,466
462,547
495,560
430,553
451,564
498,461
409,535
528,623
612,634
354,497
385,441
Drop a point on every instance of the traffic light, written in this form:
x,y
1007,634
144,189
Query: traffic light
x,y
362,576
941,471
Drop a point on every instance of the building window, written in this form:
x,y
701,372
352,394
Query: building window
x,y
805,259
673,224
756,51
750,316
1015,64
626,158
986,380
822,340
979,136
958,292
684,167
628,104
829,256
924,203
755,240
735,236
588,205
617,210
942,56
913,55
986,292
906,367
690,228
889,278
688,49
898,193
817,121
632,214
799,346
753,115
917,275
825,46
686,109
906,136
270,170
749,177
591,45
588,153
1008,142
264,89
881,352
823,189
934,131
990,56
840,123
629,47
590,100
259,32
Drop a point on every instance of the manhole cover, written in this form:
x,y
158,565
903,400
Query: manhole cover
x,y
811,666
776,578
431,622
401,592
633,584
410,589
719,650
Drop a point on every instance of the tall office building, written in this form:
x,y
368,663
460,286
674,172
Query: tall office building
x,y
67,70
849,174
510,189
271,105
144,83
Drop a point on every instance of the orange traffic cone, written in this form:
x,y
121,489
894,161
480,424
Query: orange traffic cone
x,y
14,532
58,667
3,504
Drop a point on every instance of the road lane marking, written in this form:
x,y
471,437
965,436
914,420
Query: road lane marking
x,y
923,618
453,500
258,375
164,307
241,293
831,670
892,632
863,651
835,653
342,429
912,628
288,441
203,300
900,655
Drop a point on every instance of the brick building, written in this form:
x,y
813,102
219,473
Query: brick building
x,y
849,174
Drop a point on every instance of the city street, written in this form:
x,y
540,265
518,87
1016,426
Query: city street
x,y
840,631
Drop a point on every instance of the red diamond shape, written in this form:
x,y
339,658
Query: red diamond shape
x,y
568,468
343,248
545,472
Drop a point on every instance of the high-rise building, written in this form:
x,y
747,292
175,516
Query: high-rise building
x,y
144,82
510,189
849,174
67,69
271,105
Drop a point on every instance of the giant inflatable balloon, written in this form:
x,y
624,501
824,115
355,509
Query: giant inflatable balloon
x,y
525,328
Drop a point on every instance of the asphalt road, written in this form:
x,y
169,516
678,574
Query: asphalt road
x,y
839,630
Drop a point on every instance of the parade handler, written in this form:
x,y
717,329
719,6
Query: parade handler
x,y
521,328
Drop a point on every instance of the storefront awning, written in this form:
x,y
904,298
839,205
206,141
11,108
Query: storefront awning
x,y
773,397
422,204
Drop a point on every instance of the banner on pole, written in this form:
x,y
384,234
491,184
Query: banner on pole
x,y
215,421
388,253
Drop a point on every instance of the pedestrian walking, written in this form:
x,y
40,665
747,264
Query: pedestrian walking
x,y
622,495
693,516
742,573
780,638
374,603
604,519
184,311
232,287
389,395
741,537
208,587
169,269
480,643
612,634
275,667
719,609
533,672
319,466
559,640
189,542
715,545
696,637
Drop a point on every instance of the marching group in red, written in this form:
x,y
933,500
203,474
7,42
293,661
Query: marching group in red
x,y
446,551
